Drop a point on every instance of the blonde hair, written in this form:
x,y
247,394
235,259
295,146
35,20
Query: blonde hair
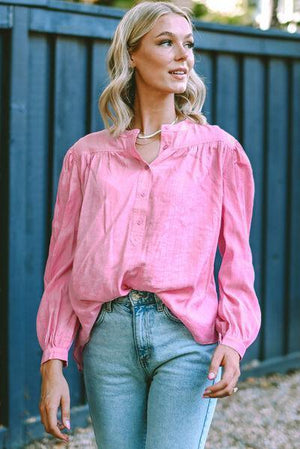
x,y
119,94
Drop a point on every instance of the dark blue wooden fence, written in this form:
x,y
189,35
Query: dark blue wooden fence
x,y
52,71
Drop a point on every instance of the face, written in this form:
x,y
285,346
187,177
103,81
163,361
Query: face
x,y
165,48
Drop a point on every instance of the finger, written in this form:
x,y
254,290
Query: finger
x,y
227,378
60,425
230,371
52,424
227,391
65,411
217,386
225,388
43,415
215,363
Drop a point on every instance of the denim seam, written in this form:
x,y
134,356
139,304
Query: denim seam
x,y
141,362
205,419
145,437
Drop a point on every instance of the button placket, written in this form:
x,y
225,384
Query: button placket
x,y
140,209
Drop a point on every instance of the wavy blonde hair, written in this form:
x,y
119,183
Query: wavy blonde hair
x,y
120,92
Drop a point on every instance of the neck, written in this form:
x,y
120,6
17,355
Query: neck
x,y
150,115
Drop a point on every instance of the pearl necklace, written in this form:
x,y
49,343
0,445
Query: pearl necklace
x,y
156,132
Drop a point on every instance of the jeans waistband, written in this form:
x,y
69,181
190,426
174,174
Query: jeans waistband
x,y
138,297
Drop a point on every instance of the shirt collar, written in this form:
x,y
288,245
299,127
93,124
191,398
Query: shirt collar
x,y
170,136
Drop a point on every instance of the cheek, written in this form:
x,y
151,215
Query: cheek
x,y
160,61
191,61
154,68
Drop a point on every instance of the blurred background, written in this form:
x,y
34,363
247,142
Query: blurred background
x,y
262,14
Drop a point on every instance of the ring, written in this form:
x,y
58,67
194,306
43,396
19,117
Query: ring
x,y
235,389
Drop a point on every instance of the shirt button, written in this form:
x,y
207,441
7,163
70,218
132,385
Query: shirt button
x,y
143,194
139,222
165,147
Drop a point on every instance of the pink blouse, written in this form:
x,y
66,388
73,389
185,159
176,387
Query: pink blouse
x,y
120,223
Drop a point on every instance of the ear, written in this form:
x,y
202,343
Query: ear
x,y
130,53
131,63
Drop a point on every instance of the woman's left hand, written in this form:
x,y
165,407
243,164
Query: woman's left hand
x,y
229,358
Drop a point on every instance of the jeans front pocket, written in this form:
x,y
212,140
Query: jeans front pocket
x,y
170,314
122,307
101,315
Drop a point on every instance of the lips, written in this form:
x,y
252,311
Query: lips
x,y
182,70
178,76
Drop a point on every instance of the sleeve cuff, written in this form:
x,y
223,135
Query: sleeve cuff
x,y
233,343
55,353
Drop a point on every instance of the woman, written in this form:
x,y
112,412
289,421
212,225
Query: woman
x,y
140,209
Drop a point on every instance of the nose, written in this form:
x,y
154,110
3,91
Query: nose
x,y
181,52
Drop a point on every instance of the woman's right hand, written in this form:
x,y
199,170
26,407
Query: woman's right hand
x,y
54,394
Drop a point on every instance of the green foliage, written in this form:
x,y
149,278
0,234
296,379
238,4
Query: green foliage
x,y
123,4
199,10
203,13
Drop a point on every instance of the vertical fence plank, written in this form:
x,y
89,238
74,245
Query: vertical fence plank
x,y
253,131
227,93
70,98
4,244
204,68
17,219
99,80
37,167
275,238
294,202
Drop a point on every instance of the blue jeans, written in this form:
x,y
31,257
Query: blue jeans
x,y
144,376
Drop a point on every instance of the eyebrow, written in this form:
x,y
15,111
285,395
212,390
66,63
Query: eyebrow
x,y
172,34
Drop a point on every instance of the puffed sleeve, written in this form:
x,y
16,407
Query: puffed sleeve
x,y
56,322
239,315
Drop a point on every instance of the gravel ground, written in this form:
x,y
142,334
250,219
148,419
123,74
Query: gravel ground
x,y
263,414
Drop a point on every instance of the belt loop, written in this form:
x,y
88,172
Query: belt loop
x,y
108,306
131,300
159,303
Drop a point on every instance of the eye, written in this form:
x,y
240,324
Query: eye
x,y
190,44
164,42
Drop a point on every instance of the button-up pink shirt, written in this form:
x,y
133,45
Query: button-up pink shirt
x,y
121,223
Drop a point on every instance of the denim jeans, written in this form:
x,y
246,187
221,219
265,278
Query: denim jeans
x,y
144,376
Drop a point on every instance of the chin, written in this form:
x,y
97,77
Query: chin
x,y
171,89
180,90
